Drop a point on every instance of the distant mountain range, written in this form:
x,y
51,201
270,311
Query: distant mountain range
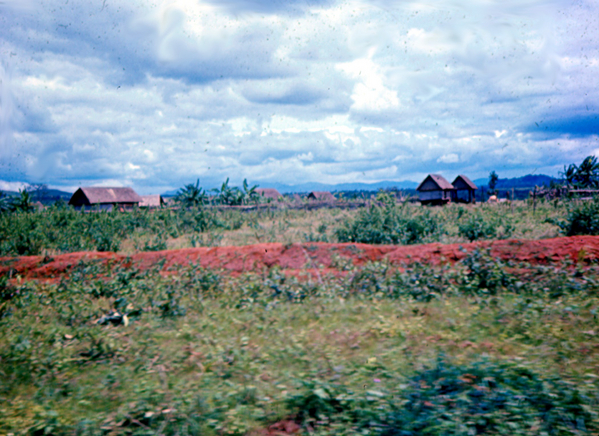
x,y
526,182
46,196
315,186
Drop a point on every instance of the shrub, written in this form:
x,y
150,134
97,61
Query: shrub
x,y
582,220
484,274
390,224
476,227
479,398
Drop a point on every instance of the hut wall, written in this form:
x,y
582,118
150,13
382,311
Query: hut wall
x,y
432,195
429,185
463,195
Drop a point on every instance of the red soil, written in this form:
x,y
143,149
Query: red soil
x,y
309,256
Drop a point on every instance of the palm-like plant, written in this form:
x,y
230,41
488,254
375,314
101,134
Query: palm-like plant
x,y
569,174
250,194
6,203
229,196
191,195
587,174
24,202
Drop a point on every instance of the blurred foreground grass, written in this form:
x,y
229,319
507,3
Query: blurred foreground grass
x,y
476,348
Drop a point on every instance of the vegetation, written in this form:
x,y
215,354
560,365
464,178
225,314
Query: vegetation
x,y
234,196
584,176
390,223
493,178
62,229
191,195
477,348
583,219
22,203
480,347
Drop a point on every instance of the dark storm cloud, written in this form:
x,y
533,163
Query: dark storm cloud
x,y
579,125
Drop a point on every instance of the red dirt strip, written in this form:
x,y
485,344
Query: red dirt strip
x,y
309,256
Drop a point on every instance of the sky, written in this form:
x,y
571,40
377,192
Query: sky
x,y
155,95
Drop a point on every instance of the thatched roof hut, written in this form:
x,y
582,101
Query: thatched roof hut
x,y
269,193
151,201
105,198
321,196
435,189
464,190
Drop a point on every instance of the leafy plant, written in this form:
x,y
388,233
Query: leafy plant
x,y
250,194
569,174
390,224
191,195
234,196
585,175
6,203
475,227
582,219
483,397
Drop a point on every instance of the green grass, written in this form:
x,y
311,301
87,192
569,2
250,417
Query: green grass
x,y
360,354
63,230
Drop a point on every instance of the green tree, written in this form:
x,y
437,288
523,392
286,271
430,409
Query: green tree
x,y
191,195
493,178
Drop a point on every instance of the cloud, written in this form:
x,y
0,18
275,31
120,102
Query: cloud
x,y
158,94
11,186
283,92
581,125
449,158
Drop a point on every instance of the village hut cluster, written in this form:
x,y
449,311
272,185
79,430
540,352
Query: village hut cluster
x,y
124,198
433,190
436,190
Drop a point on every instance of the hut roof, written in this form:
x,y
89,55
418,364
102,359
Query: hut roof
x,y
151,201
105,195
321,195
269,193
465,180
439,180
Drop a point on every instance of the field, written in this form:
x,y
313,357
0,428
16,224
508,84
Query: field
x,y
63,230
297,333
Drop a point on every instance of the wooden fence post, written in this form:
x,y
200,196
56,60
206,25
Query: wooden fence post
x,y
512,203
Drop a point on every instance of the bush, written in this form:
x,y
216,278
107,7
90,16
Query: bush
x,y
476,227
478,398
65,229
582,220
390,224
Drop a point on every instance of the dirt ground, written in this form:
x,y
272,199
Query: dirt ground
x,y
292,258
